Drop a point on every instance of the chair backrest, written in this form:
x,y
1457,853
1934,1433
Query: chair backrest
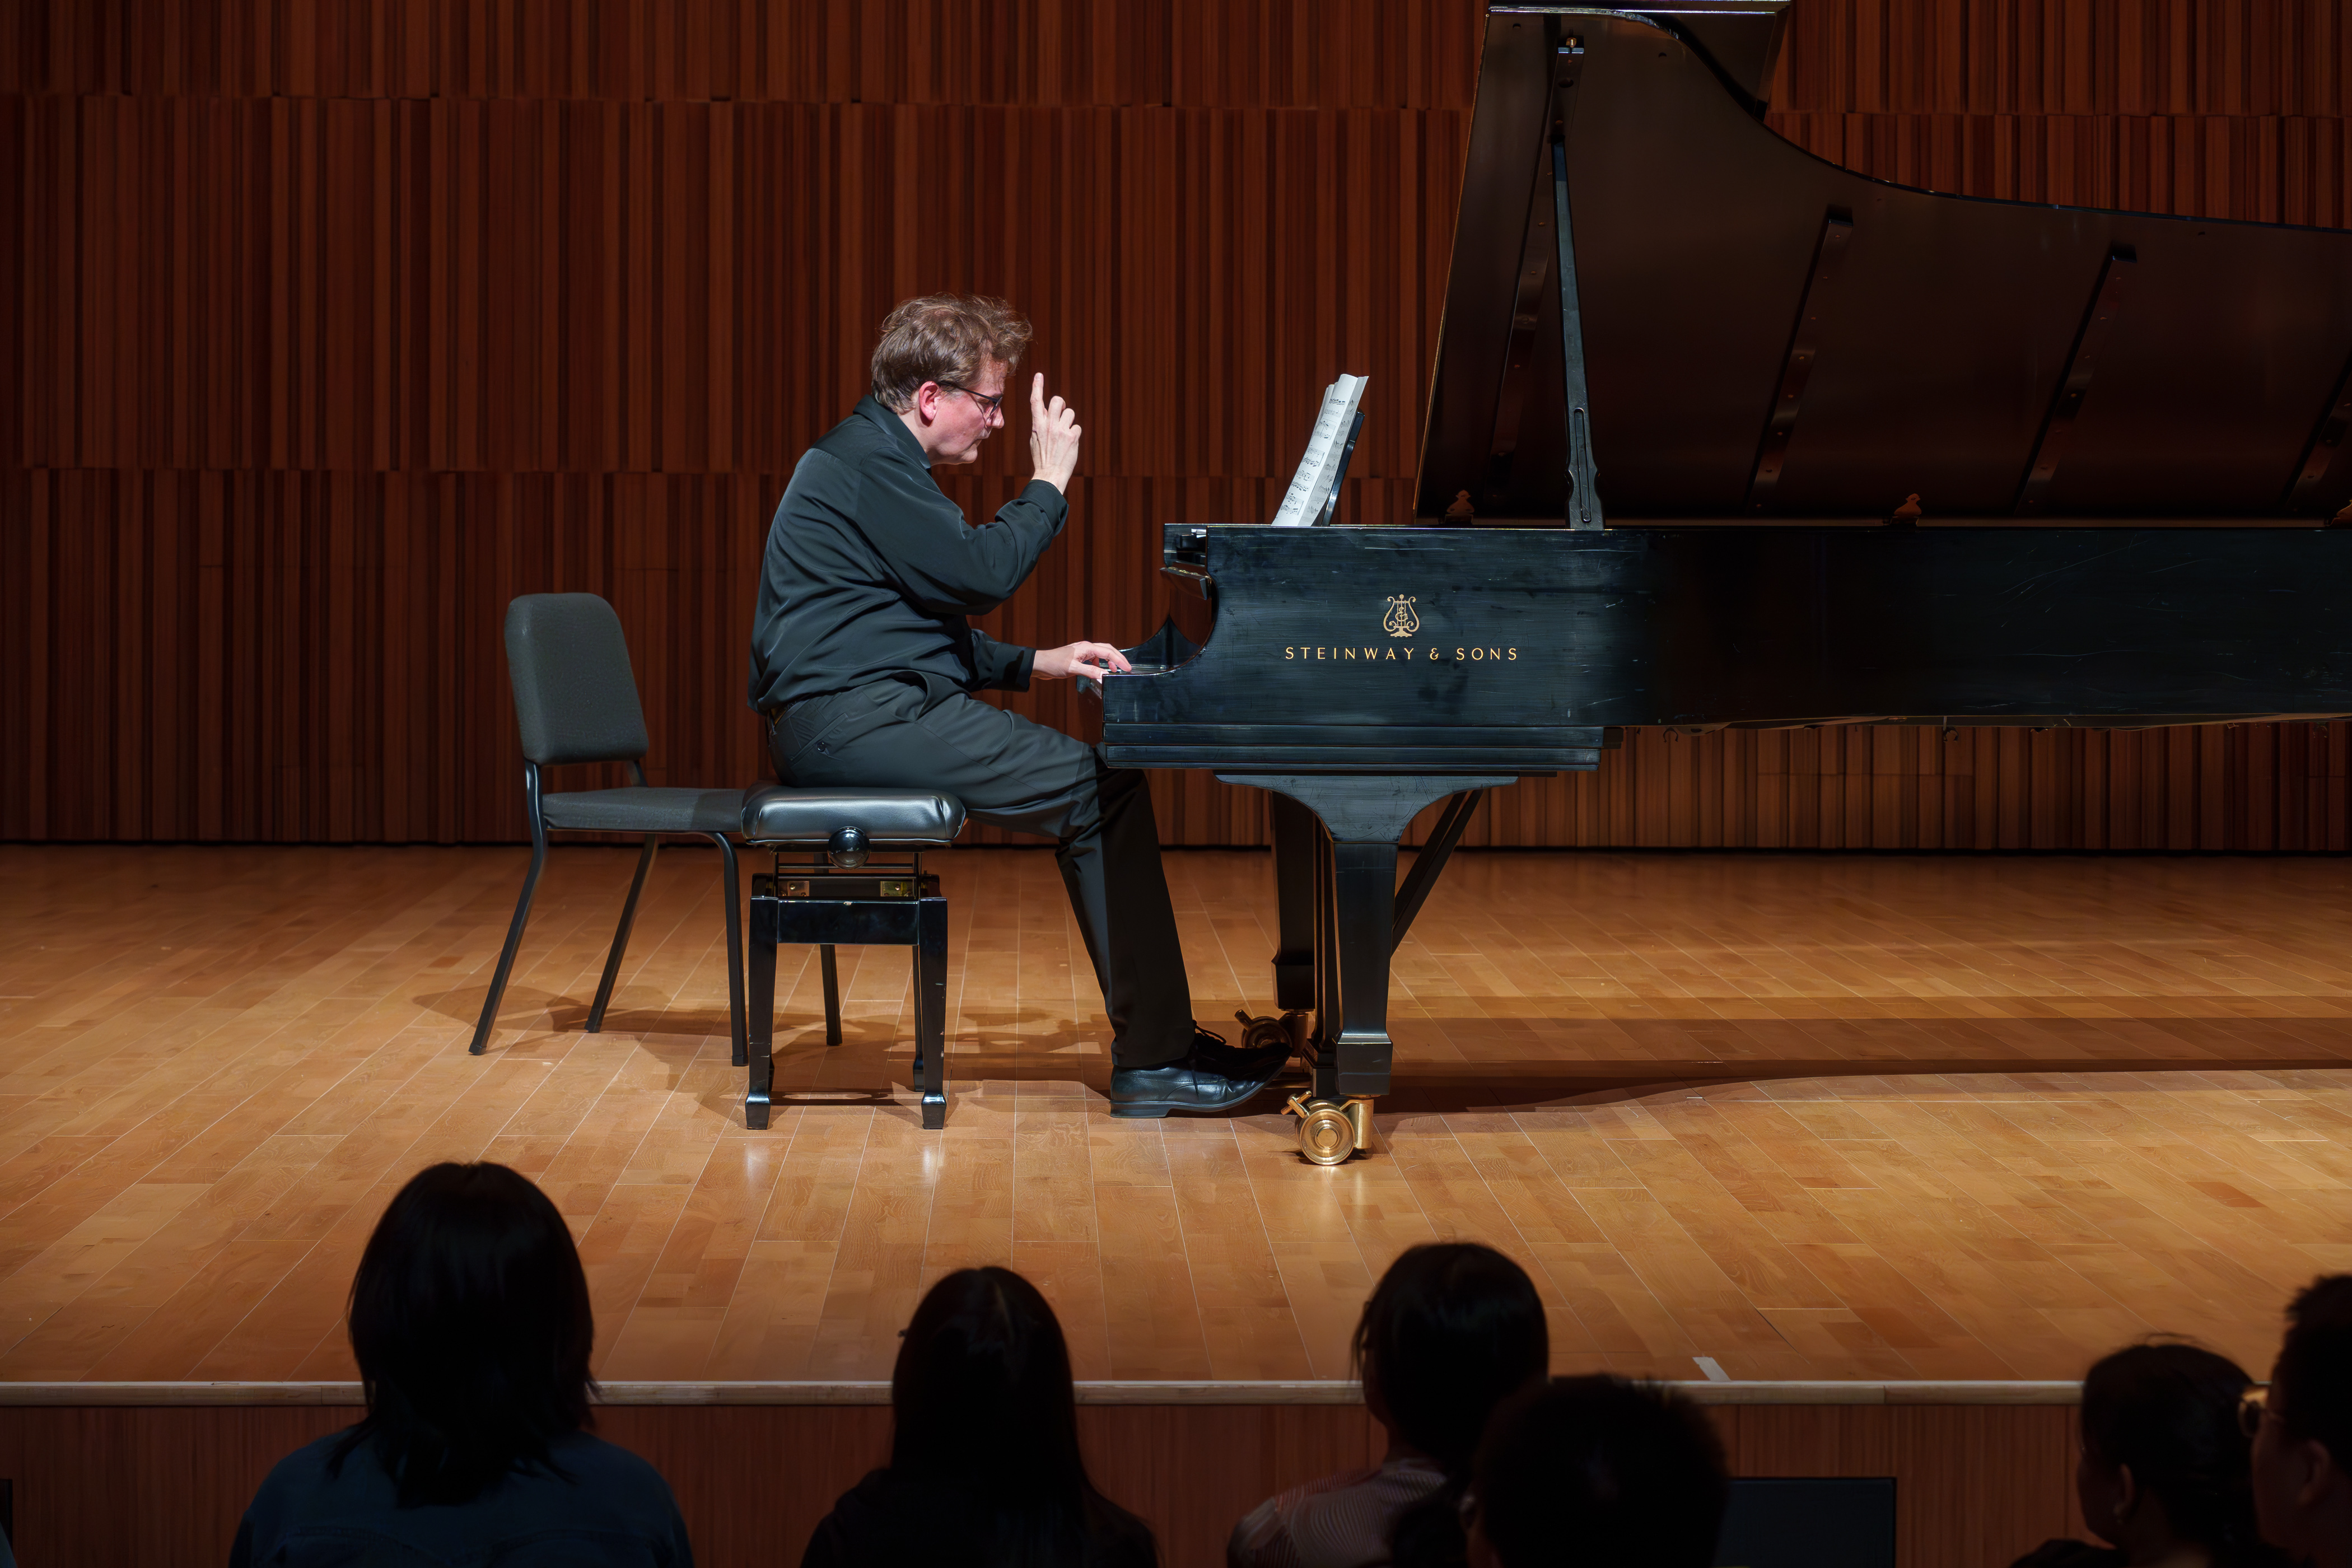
x,y
575,696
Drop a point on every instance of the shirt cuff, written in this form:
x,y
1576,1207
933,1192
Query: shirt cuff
x,y
1046,498
1017,678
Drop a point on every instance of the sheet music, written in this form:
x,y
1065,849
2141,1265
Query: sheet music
x,y
1318,470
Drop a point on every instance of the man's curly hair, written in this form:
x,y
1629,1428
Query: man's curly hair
x,y
943,337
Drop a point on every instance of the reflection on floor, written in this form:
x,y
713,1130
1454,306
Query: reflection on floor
x,y
1821,1117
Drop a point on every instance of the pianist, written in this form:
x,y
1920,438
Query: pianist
x,y
865,665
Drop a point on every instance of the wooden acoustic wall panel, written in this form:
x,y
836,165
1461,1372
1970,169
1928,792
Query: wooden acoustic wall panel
x,y
1974,1485
335,324
2234,58
503,287
2273,170
1324,54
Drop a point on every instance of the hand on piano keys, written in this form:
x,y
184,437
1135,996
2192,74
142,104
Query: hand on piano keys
x,y
1086,660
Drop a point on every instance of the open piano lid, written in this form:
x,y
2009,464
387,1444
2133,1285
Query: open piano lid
x,y
1766,335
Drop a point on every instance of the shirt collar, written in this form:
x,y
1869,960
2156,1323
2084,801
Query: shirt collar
x,y
873,409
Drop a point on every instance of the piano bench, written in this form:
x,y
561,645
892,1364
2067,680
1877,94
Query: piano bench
x,y
848,868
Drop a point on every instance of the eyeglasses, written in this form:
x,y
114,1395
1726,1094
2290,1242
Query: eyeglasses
x,y
2252,1405
988,405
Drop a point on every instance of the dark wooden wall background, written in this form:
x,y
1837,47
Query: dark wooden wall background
x,y
326,326
1975,1485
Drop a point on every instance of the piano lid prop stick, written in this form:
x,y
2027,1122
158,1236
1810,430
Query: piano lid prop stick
x,y
2326,445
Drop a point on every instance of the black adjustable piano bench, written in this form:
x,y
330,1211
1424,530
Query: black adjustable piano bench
x,y
848,869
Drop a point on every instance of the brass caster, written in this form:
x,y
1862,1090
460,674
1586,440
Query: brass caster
x,y
1329,1132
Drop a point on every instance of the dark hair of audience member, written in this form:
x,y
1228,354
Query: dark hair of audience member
x,y
1598,1470
1451,1330
470,1320
2311,1389
2169,1412
984,1402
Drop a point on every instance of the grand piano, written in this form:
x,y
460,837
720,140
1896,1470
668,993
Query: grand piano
x,y
1722,434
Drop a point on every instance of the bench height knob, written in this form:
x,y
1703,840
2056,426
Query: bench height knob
x,y
846,849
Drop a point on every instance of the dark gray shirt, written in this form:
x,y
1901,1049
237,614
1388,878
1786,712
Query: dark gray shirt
x,y
608,1509
871,569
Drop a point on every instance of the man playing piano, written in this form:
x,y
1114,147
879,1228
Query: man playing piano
x,y
864,662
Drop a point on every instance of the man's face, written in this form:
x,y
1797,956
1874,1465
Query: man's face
x,y
959,422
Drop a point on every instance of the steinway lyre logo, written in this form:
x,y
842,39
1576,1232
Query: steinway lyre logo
x,y
1400,621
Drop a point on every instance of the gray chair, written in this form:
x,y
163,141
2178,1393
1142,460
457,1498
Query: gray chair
x,y
576,702
827,889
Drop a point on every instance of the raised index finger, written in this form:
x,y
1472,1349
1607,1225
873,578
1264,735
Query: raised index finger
x,y
1038,396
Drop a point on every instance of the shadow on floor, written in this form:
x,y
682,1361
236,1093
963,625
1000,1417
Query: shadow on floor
x,y
870,1069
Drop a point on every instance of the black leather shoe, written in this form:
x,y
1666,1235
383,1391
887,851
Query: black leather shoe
x,y
1188,1085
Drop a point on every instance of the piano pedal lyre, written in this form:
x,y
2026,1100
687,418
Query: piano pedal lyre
x,y
1265,1031
1330,1131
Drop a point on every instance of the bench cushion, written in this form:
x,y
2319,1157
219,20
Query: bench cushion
x,y
781,814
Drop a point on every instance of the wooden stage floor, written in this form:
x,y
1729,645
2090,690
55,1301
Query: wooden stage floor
x,y
1805,1117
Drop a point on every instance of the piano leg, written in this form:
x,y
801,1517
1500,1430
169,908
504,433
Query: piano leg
x,y
1297,846
1352,1049
1356,823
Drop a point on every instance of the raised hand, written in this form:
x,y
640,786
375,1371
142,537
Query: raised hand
x,y
1052,441
1088,660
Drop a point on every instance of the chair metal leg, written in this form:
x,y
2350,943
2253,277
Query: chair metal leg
x,y
761,1024
735,1035
514,942
932,1007
825,963
621,936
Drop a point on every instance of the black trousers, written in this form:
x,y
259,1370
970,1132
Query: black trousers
x,y
906,734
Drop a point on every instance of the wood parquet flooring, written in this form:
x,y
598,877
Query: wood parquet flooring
x,y
1812,1117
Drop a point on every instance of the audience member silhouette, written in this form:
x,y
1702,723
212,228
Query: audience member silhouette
x,y
1451,1331
2303,1433
470,1322
2163,1472
1596,1469
984,1464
